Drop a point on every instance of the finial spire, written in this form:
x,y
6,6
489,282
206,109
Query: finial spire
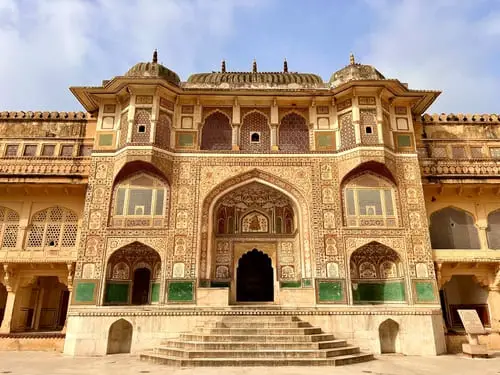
x,y
254,66
223,66
155,56
351,59
285,66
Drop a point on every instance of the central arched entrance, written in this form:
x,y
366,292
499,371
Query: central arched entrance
x,y
254,278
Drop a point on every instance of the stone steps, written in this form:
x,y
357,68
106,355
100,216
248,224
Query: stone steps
x,y
233,353
268,331
269,362
272,340
258,338
249,345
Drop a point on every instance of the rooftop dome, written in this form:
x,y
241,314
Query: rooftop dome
x,y
255,78
354,72
153,70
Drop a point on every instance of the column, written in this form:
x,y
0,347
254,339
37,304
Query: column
x,y
380,119
355,119
235,137
11,298
483,237
131,118
274,138
494,304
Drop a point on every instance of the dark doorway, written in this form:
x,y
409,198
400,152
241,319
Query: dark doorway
x,y
63,308
254,278
140,289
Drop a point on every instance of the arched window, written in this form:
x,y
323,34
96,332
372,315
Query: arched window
x,y
369,200
54,227
255,133
216,133
493,231
140,201
453,229
9,226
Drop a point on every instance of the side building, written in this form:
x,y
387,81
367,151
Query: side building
x,y
168,203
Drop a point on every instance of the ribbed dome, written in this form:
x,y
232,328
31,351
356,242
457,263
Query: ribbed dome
x,y
266,78
354,72
155,70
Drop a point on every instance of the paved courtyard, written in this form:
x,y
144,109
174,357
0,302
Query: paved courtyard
x,y
35,363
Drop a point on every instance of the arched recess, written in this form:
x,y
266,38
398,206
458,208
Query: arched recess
x,y
369,195
255,277
209,224
293,133
389,337
133,276
493,230
54,227
217,132
463,291
377,275
120,337
453,228
139,199
9,227
255,132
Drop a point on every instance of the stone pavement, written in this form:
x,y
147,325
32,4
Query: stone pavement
x,y
37,363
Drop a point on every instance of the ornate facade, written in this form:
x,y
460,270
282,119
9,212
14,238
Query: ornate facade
x,y
169,202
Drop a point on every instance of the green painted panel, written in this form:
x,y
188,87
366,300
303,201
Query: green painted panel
x,y
180,291
84,292
425,291
290,284
306,282
325,140
330,291
379,292
116,292
219,284
404,140
105,139
186,140
155,292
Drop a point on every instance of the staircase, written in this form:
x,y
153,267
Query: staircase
x,y
256,341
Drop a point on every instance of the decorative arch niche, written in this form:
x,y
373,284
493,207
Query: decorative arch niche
x,y
452,228
211,242
377,275
133,276
254,208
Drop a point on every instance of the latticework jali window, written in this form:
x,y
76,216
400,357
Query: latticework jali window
x,y
142,126
54,227
255,134
217,132
162,136
293,134
140,201
370,201
9,226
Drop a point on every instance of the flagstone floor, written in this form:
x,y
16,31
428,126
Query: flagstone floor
x,y
38,363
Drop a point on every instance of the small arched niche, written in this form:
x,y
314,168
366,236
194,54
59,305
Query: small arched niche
x,y
120,337
388,333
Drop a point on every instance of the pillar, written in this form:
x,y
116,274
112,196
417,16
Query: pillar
x,y
494,305
131,118
11,298
274,137
70,290
235,137
355,119
483,237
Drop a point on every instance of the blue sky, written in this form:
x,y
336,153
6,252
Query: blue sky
x,y
449,45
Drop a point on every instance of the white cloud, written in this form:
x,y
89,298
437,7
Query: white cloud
x,y
48,45
447,45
